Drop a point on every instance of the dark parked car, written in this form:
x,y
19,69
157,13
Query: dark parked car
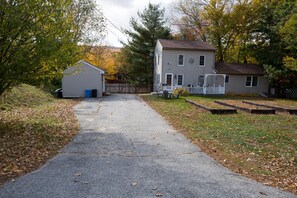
x,y
59,93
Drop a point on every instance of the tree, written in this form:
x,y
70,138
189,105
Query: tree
x,y
227,21
280,79
142,40
38,39
105,57
269,46
275,42
191,25
223,23
288,33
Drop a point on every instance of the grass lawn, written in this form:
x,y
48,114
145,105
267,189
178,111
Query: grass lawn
x,y
33,127
263,147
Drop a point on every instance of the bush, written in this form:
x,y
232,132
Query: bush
x,y
181,92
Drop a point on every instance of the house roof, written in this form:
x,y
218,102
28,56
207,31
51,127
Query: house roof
x,y
90,65
239,69
186,45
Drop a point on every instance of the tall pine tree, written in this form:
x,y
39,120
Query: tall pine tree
x,y
142,40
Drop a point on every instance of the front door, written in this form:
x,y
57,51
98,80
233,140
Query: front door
x,y
169,79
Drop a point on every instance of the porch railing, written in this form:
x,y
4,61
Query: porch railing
x,y
195,90
198,90
214,90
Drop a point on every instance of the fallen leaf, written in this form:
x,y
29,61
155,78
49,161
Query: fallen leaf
x,y
262,193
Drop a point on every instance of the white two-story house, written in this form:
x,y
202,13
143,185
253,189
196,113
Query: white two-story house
x,y
191,64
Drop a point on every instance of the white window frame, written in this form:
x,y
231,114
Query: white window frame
x,y
171,79
178,60
182,79
203,61
252,81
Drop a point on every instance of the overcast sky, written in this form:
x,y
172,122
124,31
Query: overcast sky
x,y
119,13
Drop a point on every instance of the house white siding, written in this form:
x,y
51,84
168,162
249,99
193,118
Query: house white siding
x,y
80,77
191,69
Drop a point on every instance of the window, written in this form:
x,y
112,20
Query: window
x,y
200,81
202,61
251,81
180,60
227,79
180,79
255,81
248,81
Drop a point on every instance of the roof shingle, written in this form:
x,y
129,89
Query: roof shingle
x,y
186,45
239,69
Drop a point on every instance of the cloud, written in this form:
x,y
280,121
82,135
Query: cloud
x,y
119,12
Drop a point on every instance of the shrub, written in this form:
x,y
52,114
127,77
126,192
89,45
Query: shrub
x,y
181,92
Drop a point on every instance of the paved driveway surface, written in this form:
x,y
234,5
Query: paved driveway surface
x,y
125,149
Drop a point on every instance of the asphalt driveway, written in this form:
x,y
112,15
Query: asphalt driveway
x,y
125,149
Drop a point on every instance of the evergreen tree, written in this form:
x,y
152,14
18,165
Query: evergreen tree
x,y
142,40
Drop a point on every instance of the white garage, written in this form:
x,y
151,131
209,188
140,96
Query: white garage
x,y
83,80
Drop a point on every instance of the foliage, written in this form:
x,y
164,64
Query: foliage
x,y
262,147
280,78
105,58
288,31
181,92
268,45
290,63
138,53
276,43
191,24
38,39
224,23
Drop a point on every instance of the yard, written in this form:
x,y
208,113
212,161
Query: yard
x,y
262,147
33,128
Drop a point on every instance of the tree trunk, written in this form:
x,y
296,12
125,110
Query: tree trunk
x,y
220,50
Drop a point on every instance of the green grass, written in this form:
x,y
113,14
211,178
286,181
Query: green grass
x,y
263,147
33,127
24,96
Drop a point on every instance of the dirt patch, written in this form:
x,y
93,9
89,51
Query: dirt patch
x,y
246,107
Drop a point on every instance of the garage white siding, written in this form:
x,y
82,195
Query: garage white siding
x,y
80,77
